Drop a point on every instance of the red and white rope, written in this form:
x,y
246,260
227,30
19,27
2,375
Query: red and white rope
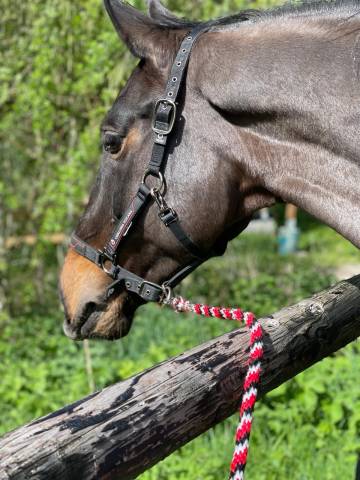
x,y
252,377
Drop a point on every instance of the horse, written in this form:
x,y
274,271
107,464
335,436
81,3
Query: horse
x,y
269,112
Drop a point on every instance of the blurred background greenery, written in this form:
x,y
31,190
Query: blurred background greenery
x,y
62,66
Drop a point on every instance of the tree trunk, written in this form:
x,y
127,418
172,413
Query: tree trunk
x,y
126,428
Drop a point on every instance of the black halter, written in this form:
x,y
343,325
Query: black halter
x,y
165,115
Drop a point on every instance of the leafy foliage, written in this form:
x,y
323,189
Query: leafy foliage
x,y
307,428
62,66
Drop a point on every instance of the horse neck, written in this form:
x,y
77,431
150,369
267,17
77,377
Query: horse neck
x,y
291,103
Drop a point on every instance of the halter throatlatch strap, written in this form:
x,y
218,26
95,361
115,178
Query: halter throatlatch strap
x,y
165,116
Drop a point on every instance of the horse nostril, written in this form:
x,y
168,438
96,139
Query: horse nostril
x,y
89,308
72,326
85,313
78,320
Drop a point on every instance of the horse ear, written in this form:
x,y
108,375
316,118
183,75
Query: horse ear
x,y
141,34
162,15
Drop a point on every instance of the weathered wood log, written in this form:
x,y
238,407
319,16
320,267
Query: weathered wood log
x,y
126,428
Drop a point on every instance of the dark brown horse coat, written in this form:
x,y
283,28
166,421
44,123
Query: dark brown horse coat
x,y
271,111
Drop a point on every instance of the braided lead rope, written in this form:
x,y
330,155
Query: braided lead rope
x,y
252,377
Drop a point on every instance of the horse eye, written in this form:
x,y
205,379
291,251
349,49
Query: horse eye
x,y
112,142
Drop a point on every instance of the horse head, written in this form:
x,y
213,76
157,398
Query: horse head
x,y
203,182
238,144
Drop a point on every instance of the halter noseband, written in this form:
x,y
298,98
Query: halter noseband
x,y
165,116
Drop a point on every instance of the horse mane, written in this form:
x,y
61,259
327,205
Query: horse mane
x,y
164,18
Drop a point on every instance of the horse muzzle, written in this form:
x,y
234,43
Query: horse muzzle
x,y
102,321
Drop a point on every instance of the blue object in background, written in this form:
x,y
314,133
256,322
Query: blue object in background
x,y
288,237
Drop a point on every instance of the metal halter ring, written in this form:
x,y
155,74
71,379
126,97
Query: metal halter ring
x,y
106,259
161,182
166,296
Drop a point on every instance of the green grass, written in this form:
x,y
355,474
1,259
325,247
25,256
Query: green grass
x,y
309,428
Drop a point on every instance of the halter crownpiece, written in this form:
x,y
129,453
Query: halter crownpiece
x,y
164,118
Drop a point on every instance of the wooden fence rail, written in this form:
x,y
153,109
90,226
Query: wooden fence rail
x,y
121,431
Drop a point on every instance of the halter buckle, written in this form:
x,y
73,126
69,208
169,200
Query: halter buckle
x,y
148,291
160,108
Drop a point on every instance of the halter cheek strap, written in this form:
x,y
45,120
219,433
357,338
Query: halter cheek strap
x,y
165,116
